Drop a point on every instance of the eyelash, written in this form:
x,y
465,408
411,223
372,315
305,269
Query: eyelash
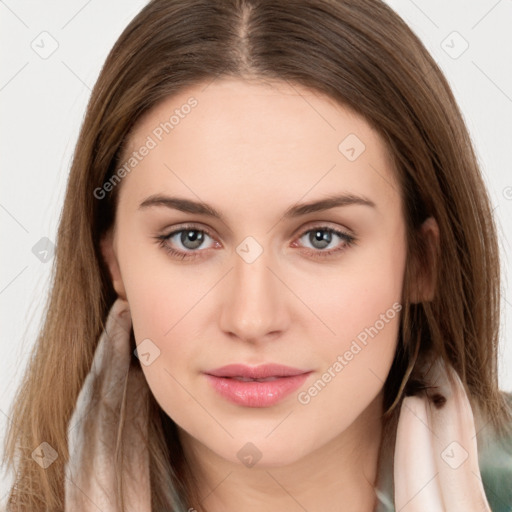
x,y
349,241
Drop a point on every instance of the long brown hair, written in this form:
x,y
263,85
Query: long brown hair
x,y
361,54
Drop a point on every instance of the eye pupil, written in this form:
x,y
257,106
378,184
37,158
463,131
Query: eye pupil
x,y
321,236
195,236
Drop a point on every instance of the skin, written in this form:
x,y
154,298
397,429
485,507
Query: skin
x,y
252,150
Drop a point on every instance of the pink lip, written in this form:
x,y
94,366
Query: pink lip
x,y
256,393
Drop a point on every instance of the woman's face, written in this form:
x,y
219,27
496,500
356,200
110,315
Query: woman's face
x,y
266,281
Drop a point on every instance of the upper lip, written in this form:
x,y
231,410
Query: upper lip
x,y
256,372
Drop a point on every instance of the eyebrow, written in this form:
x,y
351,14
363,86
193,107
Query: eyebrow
x,y
200,208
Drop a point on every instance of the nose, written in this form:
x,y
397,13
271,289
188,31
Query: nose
x,y
254,301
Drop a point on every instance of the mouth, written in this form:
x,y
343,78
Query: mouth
x,y
261,386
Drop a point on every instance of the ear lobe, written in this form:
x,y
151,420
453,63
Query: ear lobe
x,y
425,266
110,258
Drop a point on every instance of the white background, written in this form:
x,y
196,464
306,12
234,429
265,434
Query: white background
x,y
42,103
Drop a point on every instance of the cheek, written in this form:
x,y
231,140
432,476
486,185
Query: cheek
x,y
361,305
352,297
164,304
355,370
163,331
160,293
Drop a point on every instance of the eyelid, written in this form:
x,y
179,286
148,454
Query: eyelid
x,y
317,224
348,239
297,233
189,227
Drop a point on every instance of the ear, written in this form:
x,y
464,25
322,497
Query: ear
x,y
108,251
425,265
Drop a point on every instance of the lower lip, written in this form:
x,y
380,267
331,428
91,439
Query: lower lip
x,y
256,394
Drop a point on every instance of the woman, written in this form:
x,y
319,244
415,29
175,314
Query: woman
x,y
328,340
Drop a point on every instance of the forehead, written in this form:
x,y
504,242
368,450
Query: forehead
x,y
245,137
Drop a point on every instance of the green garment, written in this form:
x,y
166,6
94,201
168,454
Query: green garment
x,y
494,460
